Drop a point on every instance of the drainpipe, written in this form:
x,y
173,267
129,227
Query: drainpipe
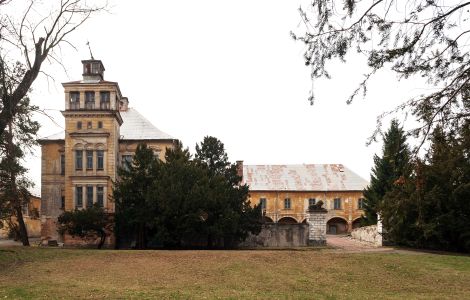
x,y
275,207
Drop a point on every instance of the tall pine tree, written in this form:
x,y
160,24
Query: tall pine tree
x,y
231,216
393,165
135,206
442,192
19,137
430,209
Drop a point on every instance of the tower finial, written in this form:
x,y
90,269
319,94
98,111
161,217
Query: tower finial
x,y
89,48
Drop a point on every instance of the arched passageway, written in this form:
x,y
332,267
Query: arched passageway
x,y
287,220
356,223
267,220
336,226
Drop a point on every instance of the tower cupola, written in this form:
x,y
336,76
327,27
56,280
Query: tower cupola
x,y
93,70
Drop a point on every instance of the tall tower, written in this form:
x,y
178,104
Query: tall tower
x,y
92,131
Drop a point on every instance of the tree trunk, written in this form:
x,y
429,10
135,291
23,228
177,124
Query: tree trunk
x,y
23,233
140,243
10,101
209,241
21,225
102,238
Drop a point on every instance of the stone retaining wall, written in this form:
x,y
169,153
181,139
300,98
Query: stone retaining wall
x,y
368,234
278,236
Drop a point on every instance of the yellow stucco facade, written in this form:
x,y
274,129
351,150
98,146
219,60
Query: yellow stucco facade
x,y
285,192
31,213
79,166
277,210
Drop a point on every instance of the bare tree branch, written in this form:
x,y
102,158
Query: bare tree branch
x,y
35,47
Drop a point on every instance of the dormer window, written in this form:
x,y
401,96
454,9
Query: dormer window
x,y
89,100
105,100
74,100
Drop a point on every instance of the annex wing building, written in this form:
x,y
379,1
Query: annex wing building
x,y
286,191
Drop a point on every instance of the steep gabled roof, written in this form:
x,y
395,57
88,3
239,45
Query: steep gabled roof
x,y
137,127
312,177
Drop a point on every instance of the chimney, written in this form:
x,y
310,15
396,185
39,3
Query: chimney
x,y
240,168
124,104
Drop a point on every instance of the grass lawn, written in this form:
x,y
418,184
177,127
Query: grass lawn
x,y
306,274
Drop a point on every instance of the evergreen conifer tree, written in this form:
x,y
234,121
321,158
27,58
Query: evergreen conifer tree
x,y
393,165
231,216
135,206
19,137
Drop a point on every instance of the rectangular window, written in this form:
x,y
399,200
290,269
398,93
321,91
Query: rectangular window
x,y
262,203
78,196
74,100
100,196
89,125
89,159
360,203
62,202
100,159
337,203
95,68
89,196
89,100
100,124
287,203
79,125
104,100
62,164
78,159
126,161
311,202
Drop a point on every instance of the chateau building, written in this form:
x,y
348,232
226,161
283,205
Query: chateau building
x,y
286,191
79,165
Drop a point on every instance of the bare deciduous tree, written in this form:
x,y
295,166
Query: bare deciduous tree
x,y
413,38
29,40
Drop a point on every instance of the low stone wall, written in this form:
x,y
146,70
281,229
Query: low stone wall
x,y
90,241
368,234
278,236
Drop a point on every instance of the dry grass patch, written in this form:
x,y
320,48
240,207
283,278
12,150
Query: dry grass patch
x,y
62,273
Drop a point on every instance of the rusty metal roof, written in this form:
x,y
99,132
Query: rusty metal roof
x,y
305,177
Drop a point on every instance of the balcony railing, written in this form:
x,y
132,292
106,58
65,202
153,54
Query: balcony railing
x,y
89,105
105,105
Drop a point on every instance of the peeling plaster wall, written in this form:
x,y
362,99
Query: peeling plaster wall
x,y
279,236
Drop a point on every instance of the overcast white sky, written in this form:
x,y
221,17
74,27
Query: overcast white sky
x,y
230,70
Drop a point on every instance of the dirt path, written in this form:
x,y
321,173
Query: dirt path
x,y
10,243
345,243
